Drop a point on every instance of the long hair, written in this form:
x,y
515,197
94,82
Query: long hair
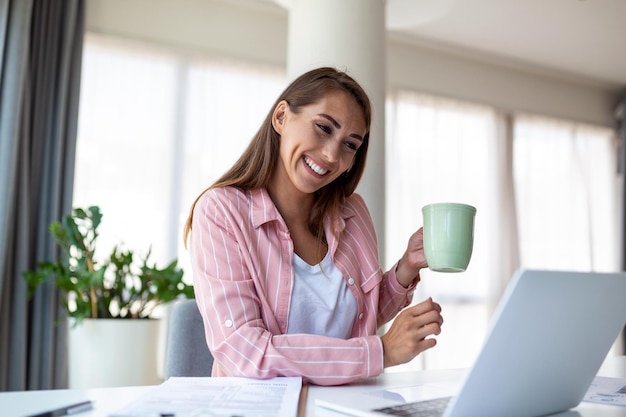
x,y
256,165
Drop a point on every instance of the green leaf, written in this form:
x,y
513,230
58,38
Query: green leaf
x,y
119,286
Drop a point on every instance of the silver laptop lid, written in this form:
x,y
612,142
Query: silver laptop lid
x,y
549,335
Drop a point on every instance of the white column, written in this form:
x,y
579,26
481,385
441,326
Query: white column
x,y
348,35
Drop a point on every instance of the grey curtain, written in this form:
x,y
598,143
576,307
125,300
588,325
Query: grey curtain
x,y
620,117
40,63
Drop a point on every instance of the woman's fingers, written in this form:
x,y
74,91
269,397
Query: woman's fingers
x,y
409,335
424,307
425,312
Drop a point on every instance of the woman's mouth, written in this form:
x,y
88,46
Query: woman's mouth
x,y
316,168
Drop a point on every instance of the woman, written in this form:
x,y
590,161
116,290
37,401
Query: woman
x,y
284,253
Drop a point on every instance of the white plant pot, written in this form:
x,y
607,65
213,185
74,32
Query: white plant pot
x,y
113,353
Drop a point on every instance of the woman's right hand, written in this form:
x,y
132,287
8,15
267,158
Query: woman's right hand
x,y
409,334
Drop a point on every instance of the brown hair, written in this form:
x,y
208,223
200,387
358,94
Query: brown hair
x,y
256,165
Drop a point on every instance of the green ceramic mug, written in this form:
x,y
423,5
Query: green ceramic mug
x,y
448,236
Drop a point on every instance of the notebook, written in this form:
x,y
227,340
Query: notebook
x,y
548,337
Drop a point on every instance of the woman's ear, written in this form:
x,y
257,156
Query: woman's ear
x,y
278,117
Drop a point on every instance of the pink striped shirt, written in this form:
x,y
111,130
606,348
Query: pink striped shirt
x,y
241,254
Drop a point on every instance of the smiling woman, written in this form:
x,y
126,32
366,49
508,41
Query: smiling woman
x,y
318,143
307,295
315,147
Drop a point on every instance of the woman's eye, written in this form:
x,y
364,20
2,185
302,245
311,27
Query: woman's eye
x,y
323,128
352,146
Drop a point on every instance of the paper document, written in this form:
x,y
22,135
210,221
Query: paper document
x,y
218,397
605,390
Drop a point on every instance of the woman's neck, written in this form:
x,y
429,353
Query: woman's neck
x,y
295,209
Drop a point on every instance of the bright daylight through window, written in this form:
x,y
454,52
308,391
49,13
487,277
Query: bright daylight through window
x,y
157,126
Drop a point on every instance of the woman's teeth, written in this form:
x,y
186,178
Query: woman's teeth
x,y
318,170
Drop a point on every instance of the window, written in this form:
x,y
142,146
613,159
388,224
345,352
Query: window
x,y
566,184
545,193
156,127
442,150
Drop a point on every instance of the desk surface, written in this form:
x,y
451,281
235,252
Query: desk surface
x,y
106,400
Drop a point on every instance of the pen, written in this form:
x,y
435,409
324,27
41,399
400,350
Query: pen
x,y
67,410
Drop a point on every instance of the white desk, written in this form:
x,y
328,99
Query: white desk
x,y
106,400
24,403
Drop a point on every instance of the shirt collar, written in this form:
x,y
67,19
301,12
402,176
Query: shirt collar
x,y
262,207
264,211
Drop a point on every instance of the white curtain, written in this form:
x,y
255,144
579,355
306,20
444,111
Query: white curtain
x,y
445,150
545,192
227,103
567,185
156,127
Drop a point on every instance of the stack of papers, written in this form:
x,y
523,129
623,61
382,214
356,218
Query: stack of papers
x,y
217,397
605,390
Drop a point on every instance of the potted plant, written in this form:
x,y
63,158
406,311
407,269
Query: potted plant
x,y
105,298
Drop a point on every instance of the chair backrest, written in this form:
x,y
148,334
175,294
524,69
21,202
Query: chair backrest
x,y
187,353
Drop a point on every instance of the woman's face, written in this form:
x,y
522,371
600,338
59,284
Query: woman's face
x,y
319,143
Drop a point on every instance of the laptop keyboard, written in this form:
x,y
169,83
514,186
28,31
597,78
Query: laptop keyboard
x,y
428,408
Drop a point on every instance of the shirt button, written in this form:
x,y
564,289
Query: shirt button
x,y
351,281
228,323
360,316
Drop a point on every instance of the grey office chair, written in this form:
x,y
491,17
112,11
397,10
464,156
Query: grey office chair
x,y
187,353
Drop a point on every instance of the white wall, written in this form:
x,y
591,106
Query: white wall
x,y
234,28
251,30
503,85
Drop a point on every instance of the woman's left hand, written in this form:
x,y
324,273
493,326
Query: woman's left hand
x,y
413,259
411,331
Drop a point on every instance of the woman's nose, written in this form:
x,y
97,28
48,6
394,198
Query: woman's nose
x,y
331,151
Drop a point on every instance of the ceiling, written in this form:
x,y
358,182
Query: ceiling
x,y
585,39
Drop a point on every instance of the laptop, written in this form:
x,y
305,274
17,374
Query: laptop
x,y
548,337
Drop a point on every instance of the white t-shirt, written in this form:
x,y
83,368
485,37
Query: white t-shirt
x,y
321,302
